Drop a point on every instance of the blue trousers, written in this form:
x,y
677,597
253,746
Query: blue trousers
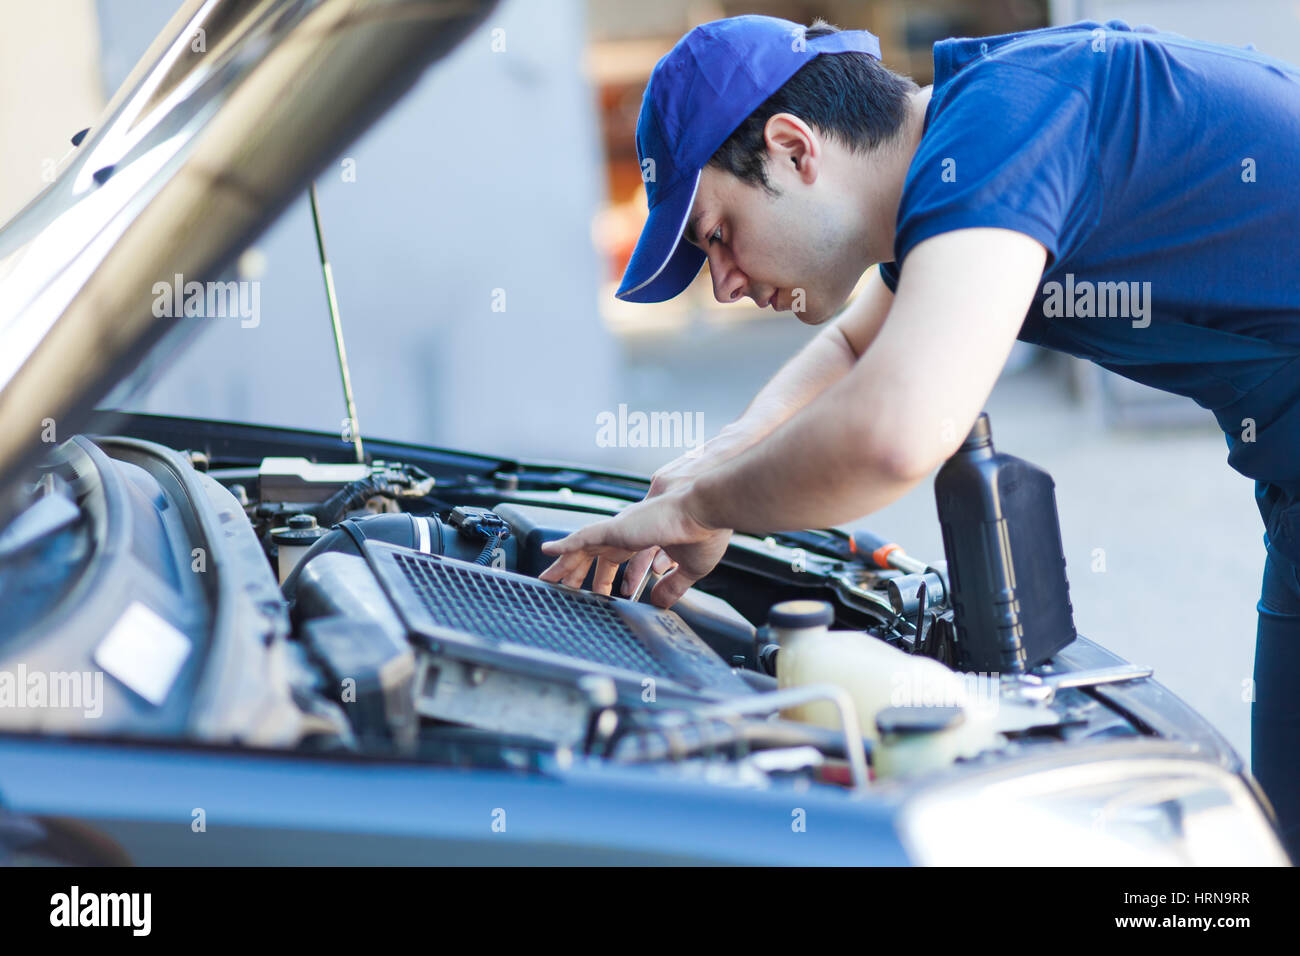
x,y
1275,713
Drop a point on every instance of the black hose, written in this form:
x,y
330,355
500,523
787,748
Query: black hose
x,y
348,498
400,529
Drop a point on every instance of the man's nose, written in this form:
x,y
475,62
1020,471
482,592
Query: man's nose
x,y
728,281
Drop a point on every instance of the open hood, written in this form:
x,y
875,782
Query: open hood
x,y
225,120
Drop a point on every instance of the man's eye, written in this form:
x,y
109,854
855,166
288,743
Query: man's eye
x,y
717,235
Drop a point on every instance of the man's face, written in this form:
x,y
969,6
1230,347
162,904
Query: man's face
x,y
798,250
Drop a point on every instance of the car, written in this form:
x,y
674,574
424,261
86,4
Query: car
x,y
228,643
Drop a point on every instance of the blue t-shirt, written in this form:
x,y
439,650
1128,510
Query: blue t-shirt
x,y
1163,177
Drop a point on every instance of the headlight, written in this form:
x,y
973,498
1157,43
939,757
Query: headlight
x,y
1123,811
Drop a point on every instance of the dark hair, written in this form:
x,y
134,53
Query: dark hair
x,y
850,97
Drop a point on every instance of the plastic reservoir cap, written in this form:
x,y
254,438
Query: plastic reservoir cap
x,y
801,613
981,433
918,720
302,530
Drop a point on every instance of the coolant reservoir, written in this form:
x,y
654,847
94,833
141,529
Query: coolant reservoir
x,y
293,541
880,678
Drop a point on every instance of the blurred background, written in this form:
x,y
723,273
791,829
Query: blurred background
x,y
477,234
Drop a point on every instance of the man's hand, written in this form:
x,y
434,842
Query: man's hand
x,y
665,520
728,443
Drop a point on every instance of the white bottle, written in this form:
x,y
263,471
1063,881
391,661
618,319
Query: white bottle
x,y
877,676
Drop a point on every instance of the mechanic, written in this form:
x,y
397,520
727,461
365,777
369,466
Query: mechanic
x,y
1120,194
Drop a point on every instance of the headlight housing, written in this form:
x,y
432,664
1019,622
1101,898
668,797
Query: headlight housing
x,y
1132,810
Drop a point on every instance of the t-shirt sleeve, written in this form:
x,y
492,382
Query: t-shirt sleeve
x,y
889,274
1011,148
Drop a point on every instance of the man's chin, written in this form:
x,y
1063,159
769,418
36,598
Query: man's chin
x,y
816,313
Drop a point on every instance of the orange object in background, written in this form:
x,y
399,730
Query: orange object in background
x,y
617,227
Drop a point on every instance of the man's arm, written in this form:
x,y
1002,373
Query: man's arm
x,y
818,365
906,405
822,362
903,408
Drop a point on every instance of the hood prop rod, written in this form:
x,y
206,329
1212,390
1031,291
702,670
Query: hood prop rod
x,y
353,426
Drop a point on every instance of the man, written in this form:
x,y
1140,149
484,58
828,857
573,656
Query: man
x,y
1124,195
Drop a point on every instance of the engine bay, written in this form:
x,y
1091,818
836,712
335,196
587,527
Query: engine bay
x,y
384,610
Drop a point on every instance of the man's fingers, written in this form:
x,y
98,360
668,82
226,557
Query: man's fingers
x,y
575,553
559,565
570,542
577,570
662,563
575,558
636,569
603,581
670,588
563,568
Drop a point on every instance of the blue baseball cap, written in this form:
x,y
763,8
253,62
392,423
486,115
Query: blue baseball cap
x,y
703,88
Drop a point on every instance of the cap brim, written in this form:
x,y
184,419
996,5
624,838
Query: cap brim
x,y
663,263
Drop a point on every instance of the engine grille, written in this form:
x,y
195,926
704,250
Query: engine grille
x,y
577,624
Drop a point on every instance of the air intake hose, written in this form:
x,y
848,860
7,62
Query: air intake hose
x,y
426,533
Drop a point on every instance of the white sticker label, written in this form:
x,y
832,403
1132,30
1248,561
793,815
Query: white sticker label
x,y
144,652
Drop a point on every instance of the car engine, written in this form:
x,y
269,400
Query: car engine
x,y
378,609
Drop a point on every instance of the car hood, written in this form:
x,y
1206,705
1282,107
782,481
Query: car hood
x,y
224,121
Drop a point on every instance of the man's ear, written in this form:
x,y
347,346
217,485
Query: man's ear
x,y
794,144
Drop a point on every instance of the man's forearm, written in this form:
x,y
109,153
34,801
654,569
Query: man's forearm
x,y
808,473
818,365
